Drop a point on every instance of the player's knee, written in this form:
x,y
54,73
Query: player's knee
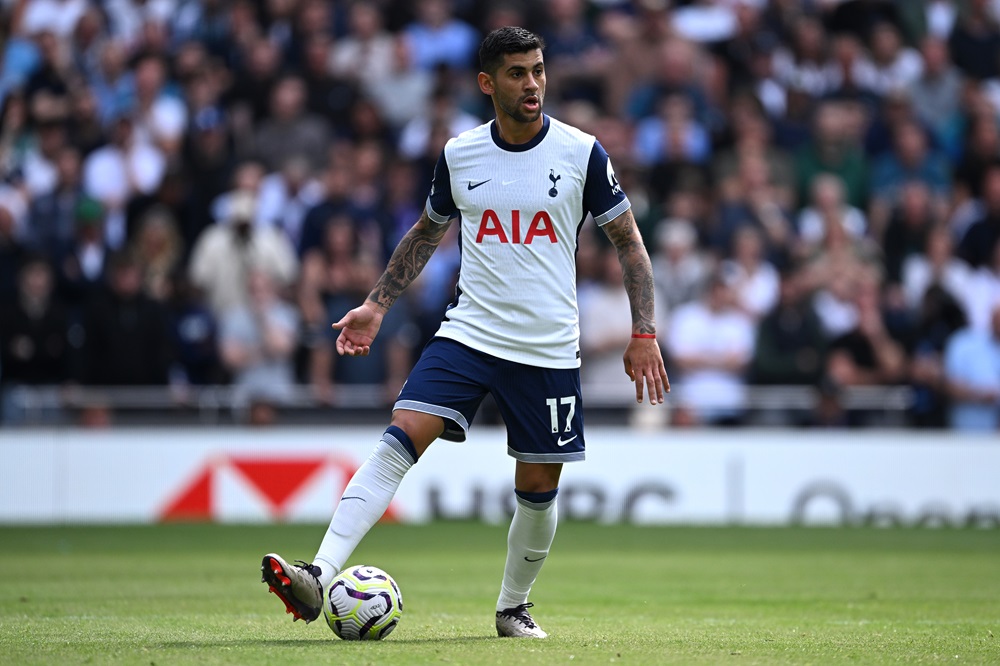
x,y
538,501
419,429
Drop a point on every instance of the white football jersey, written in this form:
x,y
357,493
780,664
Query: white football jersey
x,y
521,208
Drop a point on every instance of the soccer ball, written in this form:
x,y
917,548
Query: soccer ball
x,y
362,604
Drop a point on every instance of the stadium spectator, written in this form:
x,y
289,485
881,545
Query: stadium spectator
x,y
34,337
975,39
710,345
158,251
257,340
676,70
443,111
671,135
48,84
53,215
209,165
290,129
438,38
160,118
194,333
934,265
833,150
754,280
980,149
939,316
803,62
249,96
680,269
866,354
982,291
893,65
911,160
127,334
750,200
790,345
86,130
286,196
38,164
58,17
124,168
752,136
911,222
225,254
80,263
109,78
972,375
403,94
329,95
983,234
576,52
367,53
826,207
937,92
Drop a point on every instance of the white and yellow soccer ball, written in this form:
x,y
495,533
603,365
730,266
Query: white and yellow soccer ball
x,y
362,603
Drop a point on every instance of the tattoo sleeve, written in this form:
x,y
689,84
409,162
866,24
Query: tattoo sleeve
x,y
636,269
408,259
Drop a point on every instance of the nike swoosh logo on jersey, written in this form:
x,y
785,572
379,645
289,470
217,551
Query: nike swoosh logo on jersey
x,y
562,442
473,186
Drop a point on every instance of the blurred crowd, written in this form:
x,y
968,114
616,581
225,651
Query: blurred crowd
x,y
193,190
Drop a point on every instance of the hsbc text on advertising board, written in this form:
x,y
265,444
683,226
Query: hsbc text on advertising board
x,y
659,477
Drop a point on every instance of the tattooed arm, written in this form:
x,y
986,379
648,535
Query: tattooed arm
x,y
408,259
636,269
359,327
642,359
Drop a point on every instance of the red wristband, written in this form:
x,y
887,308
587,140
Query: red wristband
x,y
651,336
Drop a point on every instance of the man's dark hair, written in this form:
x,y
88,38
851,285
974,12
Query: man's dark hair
x,y
500,42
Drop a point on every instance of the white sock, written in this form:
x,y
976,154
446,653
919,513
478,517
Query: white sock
x,y
365,499
528,542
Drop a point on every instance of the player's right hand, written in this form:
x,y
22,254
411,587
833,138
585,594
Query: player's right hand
x,y
358,329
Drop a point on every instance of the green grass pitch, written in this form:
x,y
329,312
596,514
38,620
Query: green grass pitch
x,y
190,594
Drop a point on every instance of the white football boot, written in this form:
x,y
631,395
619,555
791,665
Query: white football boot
x,y
517,623
297,585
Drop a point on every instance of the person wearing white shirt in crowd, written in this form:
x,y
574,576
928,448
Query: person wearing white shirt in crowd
x,y
160,119
120,170
829,205
936,265
754,279
711,343
892,65
56,16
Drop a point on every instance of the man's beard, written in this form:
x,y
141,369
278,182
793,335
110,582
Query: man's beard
x,y
515,112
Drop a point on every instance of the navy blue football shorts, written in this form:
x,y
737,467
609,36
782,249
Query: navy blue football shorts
x,y
541,407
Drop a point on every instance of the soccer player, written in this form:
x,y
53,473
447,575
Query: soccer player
x,y
520,187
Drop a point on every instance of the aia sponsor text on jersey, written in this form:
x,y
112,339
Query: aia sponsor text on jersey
x,y
509,229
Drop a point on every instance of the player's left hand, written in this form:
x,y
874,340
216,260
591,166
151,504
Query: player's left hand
x,y
644,366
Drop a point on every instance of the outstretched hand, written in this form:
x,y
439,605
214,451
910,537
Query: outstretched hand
x,y
644,366
358,329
